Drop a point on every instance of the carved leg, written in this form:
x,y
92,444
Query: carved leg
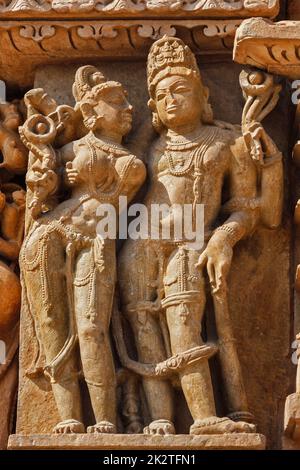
x,y
150,349
184,322
93,293
46,290
138,277
185,303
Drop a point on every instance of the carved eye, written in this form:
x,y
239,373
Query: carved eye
x,y
160,96
118,100
181,89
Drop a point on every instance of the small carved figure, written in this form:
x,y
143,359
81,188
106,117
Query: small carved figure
x,y
14,154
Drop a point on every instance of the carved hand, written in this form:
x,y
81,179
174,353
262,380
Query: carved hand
x,y
217,258
71,175
259,143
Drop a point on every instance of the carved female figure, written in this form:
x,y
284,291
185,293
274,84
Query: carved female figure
x,y
69,272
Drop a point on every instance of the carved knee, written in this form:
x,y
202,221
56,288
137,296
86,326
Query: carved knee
x,y
89,332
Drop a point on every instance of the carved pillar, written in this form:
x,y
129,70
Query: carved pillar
x,y
275,47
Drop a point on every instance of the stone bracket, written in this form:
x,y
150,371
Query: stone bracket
x,y
274,47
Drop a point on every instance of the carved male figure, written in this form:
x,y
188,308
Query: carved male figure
x,y
69,272
162,282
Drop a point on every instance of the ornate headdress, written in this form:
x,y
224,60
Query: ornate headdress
x,y
170,56
90,82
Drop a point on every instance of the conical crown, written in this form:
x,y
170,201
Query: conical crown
x,y
167,56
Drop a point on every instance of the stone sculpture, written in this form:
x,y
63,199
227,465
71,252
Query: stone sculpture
x,y
12,208
162,281
68,271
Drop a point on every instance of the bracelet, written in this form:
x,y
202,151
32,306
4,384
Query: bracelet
x,y
234,236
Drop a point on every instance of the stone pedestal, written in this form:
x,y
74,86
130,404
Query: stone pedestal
x,y
136,442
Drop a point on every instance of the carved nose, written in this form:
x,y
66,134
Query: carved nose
x,y
171,99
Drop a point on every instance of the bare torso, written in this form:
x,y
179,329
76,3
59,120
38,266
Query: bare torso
x,y
173,174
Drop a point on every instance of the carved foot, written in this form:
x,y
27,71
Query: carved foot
x,y
161,427
292,417
214,425
69,426
103,427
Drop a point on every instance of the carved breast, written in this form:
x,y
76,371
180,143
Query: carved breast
x,y
93,164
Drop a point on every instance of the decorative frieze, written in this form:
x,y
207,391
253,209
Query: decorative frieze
x,y
113,8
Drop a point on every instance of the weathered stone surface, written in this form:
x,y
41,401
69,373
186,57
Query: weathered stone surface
x,y
270,46
294,9
137,441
